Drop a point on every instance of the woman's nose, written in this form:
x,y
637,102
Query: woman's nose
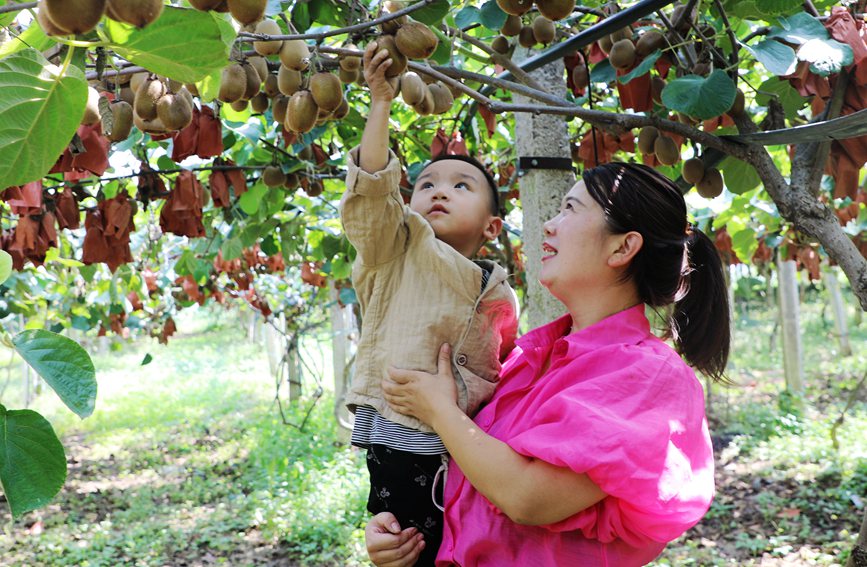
x,y
548,227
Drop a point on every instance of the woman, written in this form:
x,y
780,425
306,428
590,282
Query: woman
x,y
594,450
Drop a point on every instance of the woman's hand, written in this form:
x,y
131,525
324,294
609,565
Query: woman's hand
x,y
421,394
375,64
388,545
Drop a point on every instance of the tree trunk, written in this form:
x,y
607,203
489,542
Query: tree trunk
x,y
859,552
293,368
792,351
275,344
343,331
840,318
541,190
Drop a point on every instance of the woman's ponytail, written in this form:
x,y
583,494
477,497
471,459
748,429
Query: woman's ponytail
x,y
700,324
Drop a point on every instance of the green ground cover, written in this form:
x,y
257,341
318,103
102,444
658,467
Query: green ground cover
x,y
187,462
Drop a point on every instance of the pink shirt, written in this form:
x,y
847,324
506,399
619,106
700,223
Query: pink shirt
x,y
617,404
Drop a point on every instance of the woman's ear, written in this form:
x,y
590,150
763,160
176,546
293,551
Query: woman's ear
x,y
626,247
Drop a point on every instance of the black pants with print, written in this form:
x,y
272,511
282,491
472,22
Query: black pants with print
x,y
400,483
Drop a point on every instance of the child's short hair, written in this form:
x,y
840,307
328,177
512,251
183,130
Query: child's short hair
x,y
495,194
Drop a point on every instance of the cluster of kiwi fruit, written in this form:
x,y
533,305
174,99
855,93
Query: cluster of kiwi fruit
x,y
246,12
70,17
118,125
653,142
541,30
708,181
159,106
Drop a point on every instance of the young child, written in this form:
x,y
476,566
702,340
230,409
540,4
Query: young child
x,y
417,289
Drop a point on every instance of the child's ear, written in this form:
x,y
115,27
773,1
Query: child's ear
x,y
493,228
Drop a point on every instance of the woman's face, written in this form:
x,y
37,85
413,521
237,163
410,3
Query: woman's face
x,y
576,246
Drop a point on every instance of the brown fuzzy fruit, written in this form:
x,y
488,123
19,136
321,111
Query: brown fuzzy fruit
x,y
91,109
412,88
555,9
292,181
288,80
650,41
74,16
666,150
398,59
261,66
622,33
279,104
500,44
680,19
175,111
515,7
693,170
138,13
270,47
247,11
233,83
391,26
327,90
314,188
341,111
711,185
206,5
657,84
347,76
295,54
544,30
154,126
146,98
127,95
622,55
121,121
646,138
416,40
302,112
350,62
737,108
580,77
47,25
254,83
137,79
512,26
426,106
605,44
273,176
701,69
526,37
271,86
442,98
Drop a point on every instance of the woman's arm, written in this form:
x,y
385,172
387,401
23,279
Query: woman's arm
x,y
529,491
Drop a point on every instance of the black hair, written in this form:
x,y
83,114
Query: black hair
x,y
677,264
492,185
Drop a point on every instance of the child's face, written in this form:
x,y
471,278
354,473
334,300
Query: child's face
x,y
454,197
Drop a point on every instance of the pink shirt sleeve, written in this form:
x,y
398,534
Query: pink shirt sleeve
x,y
634,422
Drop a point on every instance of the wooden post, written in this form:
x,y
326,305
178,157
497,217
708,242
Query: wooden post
x,y
859,552
792,351
294,372
842,324
342,347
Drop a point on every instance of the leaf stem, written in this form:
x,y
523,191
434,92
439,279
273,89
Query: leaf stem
x,y
67,60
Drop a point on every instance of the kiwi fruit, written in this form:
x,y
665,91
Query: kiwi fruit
x,y
512,26
650,41
605,44
288,80
127,95
347,76
711,185
306,153
341,111
138,13
73,16
233,83
701,69
526,37
544,30
622,33
259,103
271,86
206,5
391,26
622,55
279,104
91,109
191,88
327,90
350,62
146,98
737,108
680,19
398,59
292,181
240,105
646,138
580,80
247,11
154,126
693,170
666,150
175,111
314,188
136,80
254,83
271,47
121,121
301,113
500,44
273,176
47,25
555,9
442,98
412,88
657,84
295,54
416,40
426,106
261,65
515,7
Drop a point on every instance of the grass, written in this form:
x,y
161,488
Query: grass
x,y
187,462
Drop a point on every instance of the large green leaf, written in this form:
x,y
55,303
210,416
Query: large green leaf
x,y
433,13
5,266
32,37
185,45
740,176
700,97
825,56
784,92
799,29
778,58
492,16
467,16
64,366
39,113
32,461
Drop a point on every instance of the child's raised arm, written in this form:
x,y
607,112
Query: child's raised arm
x,y
373,154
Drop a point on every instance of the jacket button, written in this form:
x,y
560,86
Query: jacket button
x,y
461,359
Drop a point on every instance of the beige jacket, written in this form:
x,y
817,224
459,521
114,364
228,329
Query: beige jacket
x,y
416,293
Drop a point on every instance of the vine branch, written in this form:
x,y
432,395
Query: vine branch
x,y
17,7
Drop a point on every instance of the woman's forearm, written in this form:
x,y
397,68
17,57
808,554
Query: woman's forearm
x,y
373,153
529,491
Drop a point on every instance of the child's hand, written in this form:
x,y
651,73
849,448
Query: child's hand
x,y
421,394
375,64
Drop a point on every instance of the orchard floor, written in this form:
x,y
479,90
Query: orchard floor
x,y
187,461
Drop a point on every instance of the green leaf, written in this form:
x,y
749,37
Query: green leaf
x,y
5,266
777,7
778,58
745,243
467,16
433,13
183,44
443,52
231,249
39,113
249,201
826,56
799,29
32,461
347,296
740,176
147,359
642,68
784,92
301,16
33,37
64,366
700,97
602,72
492,16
